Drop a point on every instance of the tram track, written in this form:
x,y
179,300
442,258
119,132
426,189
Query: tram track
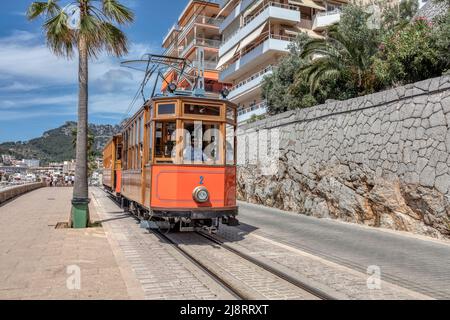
x,y
232,285
303,286
235,286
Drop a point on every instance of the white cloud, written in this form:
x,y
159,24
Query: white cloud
x,y
27,65
24,54
18,86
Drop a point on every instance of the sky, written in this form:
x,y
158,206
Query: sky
x,y
39,91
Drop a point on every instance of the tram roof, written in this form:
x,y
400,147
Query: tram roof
x,y
148,103
191,97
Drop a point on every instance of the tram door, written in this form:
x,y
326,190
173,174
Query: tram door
x,y
148,152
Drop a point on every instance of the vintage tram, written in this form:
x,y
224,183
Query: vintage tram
x,y
174,163
112,172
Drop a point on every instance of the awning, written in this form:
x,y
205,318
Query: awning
x,y
252,8
252,36
225,8
309,32
227,56
306,3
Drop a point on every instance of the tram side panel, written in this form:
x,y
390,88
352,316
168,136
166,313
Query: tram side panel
x,y
118,180
173,187
108,166
230,186
131,185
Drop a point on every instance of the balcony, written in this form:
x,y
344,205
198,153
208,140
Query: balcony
x,y
171,50
199,42
247,86
200,20
325,19
245,114
275,11
255,55
235,13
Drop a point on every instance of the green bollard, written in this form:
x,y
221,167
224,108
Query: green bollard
x,y
80,213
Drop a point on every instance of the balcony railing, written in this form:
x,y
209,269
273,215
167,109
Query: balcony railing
x,y
266,36
328,13
323,19
252,77
243,111
250,18
205,20
209,65
258,13
208,43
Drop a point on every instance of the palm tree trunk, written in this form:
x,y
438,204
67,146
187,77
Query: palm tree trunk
x,y
80,192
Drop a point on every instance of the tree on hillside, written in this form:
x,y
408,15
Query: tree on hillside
x,y
87,27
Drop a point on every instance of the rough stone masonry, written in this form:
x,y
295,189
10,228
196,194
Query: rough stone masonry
x,y
381,160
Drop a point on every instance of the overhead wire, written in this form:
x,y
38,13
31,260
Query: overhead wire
x,y
148,74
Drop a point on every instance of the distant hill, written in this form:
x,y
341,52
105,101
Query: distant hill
x,y
56,145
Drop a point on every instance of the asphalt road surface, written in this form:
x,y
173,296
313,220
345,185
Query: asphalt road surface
x,y
410,261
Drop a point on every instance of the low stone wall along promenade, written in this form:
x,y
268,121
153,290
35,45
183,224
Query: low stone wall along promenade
x,y
12,192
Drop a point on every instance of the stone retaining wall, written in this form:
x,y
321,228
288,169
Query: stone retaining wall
x,y
380,160
10,193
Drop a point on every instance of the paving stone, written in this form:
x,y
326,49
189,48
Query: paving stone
x,y
38,255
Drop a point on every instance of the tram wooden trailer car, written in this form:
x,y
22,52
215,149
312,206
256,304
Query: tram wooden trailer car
x,y
112,173
174,163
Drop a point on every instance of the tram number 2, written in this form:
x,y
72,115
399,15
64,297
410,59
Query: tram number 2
x,y
202,180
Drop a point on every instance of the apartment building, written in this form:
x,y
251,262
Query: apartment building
x,y
197,27
256,34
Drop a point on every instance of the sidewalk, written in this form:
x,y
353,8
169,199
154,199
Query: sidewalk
x,y
35,257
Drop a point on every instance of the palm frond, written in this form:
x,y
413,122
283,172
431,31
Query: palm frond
x,y
117,12
91,31
60,38
115,41
38,8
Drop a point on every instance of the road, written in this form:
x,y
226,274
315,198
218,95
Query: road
x,y
413,262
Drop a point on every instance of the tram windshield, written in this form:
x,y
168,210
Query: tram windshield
x,y
192,133
202,143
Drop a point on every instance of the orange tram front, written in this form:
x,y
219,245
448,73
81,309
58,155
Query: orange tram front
x,y
174,164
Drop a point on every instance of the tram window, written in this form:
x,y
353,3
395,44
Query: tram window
x,y
231,114
165,140
166,108
141,125
202,143
119,152
202,110
150,134
229,145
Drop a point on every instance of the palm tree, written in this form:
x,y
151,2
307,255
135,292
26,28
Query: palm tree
x,y
94,32
339,57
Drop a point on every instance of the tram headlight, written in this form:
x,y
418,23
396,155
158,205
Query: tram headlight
x,y
225,92
172,87
201,194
